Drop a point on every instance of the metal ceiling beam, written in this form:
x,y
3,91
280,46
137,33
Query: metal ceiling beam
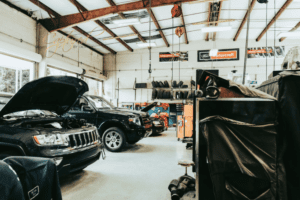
x,y
282,9
73,19
81,8
158,26
112,3
292,30
57,16
244,20
216,24
183,23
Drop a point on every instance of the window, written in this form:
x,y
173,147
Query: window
x,y
14,74
95,87
56,72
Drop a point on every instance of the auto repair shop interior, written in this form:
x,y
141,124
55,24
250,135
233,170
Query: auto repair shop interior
x,y
149,99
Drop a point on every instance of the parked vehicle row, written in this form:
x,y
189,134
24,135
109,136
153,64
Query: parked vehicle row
x,y
52,117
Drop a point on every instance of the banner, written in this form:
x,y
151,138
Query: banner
x,y
223,55
263,52
183,56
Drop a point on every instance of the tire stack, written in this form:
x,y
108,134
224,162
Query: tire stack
x,y
159,93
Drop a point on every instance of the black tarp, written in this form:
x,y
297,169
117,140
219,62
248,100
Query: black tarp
x,y
10,185
240,145
286,88
242,159
38,177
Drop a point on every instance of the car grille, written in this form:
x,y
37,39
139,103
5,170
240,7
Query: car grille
x,y
83,139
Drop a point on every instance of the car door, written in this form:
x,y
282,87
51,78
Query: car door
x,y
82,109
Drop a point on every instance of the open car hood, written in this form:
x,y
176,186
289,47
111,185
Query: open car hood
x,y
149,107
52,93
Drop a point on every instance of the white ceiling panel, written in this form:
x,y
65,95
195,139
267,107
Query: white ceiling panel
x,y
61,7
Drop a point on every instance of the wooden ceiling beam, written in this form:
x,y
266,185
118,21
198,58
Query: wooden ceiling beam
x,y
208,20
282,9
73,19
83,9
292,30
244,20
57,15
184,27
216,24
112,3
158,26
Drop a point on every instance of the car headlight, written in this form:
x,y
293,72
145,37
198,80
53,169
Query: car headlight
x,y
52,139
156,123
135,120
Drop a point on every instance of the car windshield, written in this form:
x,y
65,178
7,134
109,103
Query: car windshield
x,y
31,113
100,103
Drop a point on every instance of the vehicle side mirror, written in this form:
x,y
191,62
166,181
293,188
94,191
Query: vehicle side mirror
x,y
87,108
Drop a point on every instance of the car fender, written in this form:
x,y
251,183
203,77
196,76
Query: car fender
x,y
15,146
113,122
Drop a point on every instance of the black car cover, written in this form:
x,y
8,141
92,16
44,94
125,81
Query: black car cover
x,y
240,152
10,185
38,177
286,89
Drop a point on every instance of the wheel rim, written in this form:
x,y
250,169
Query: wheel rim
x,y
113,140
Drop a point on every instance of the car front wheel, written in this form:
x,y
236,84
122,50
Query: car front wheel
x,y
114,139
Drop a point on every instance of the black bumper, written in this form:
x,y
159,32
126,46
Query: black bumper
x,y
138,133
158,129
79,160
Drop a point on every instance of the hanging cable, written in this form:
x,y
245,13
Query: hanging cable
x,y
172,54
179,59
247,40
267,42
150,71
274,37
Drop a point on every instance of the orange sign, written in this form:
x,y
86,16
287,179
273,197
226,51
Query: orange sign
x,y
225,55
168,55
255,51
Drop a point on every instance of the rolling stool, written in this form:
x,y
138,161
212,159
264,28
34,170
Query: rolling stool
x,y
186,164
187,181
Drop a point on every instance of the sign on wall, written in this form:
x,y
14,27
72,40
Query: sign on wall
x,y
223,55
263,52
183,56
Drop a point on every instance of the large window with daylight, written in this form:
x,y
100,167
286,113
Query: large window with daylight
x,y
14,74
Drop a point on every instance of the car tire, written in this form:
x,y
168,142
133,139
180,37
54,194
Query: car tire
x,y
118,139
6,153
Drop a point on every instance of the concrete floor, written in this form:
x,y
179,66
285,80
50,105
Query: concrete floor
x,y
141,172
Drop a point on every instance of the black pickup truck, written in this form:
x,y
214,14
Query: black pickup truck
x,y
31,124
115,126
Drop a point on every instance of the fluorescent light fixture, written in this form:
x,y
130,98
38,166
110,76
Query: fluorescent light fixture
x,y
213,52
216,29
127,21
152,44
289,34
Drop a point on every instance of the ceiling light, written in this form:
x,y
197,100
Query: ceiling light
x,y
289,34
127,21
216,29
152,44
213,52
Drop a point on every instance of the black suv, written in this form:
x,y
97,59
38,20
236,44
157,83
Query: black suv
x,y
115,126
31,124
